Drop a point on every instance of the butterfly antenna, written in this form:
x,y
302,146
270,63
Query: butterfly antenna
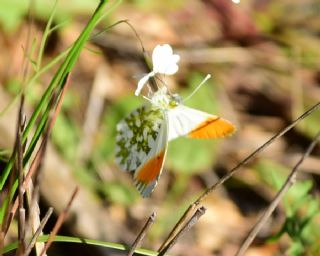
x,y
198,87
146,98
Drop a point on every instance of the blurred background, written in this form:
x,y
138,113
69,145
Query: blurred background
x,y
264,58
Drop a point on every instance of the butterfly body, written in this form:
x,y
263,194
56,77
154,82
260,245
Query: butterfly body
x,y
143,136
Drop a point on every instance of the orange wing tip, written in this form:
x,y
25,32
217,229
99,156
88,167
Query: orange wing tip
x,y
213,128
144,189
147,175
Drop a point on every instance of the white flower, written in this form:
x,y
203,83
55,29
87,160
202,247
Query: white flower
x,y
163,62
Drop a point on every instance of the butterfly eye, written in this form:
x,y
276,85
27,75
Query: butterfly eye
x,y
173,103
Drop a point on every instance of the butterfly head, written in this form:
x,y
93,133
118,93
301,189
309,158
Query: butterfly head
x,y
164,100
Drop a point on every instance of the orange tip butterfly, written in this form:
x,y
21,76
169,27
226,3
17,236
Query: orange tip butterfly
x,y
143,136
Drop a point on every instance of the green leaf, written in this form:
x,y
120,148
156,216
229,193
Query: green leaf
x,y
292,227
41,112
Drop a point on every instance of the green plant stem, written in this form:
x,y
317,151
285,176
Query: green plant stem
x,y
56,85
67,239
45,36
56,82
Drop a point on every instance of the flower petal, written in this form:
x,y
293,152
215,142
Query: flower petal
x,y
142,82
164,61
160,53
172,66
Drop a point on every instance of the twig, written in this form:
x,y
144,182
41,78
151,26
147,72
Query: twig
x,y
34,221
178,226
21,232
56,102
193,220
25,70
229,174
289,182
33,168
59,222
38,160
142,233
257,151
19,166
39,231
55,105
8,206
36,163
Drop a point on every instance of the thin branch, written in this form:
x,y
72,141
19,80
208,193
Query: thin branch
x,y
56,103
229,175
39,231
178,226
38,159
34,221
8,205
63,215
142,233
26,63
36,164
21,232
257,151
32,170
193,220
289,182
19,167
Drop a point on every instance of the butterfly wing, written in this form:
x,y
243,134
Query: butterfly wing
x,y
141,146
185,121
147,175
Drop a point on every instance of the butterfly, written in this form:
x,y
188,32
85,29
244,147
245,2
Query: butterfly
x,y
143,136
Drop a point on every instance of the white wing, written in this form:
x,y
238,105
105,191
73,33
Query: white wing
x,y
135,135
141,146
148,173
196,124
